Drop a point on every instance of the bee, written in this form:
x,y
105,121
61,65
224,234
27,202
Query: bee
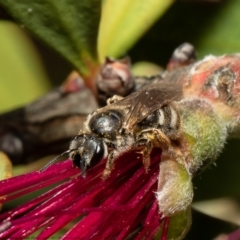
x,y
143,120
146,119
189,119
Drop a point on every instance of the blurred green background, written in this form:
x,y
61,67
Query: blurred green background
x,y
211,26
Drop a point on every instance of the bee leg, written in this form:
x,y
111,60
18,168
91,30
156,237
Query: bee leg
x,y
145,152
162,141
175,191
109,165
157,137
146,155
151,138
114,99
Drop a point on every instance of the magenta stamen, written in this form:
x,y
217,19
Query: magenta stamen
x,y
93,218
25,207
28,228
151,213
91,222
11,185
32,203
115,208
137,200
86,201
53,205
39,186
234,235
133,216
151,223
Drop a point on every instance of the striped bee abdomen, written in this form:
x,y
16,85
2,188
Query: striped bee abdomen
x,y
172,121
166,119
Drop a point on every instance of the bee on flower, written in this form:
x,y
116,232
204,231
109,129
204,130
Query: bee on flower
x,y
133,161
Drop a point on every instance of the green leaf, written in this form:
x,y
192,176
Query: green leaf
x,y
5,166
5,169
146,69
179,225
124,22
22,77
68,26
221,35
206,227
226,209
221,179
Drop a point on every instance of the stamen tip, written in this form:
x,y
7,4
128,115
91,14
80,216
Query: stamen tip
x,y
4,226
83,174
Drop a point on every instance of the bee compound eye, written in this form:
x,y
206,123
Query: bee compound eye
x,y
76,160
106,124
97,149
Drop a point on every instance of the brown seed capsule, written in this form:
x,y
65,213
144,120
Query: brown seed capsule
x,y
115,78
183,55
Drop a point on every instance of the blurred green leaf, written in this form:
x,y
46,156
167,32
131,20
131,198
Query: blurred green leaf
x,y
68,26
146,69
226,209
5,169
222,34
179,225
221,179
22,77
206,227
5,166
124,22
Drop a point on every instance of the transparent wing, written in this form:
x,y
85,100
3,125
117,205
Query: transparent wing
x,y
145,101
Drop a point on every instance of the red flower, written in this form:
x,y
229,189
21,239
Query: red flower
x,y
121,207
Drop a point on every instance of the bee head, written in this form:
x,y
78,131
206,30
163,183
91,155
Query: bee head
x,y
86,151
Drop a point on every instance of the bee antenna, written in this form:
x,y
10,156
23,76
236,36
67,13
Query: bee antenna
x,y
55,160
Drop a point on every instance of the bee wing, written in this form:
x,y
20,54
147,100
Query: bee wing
x,y
145,101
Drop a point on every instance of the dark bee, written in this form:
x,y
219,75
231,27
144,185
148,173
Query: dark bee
x,y
127,123
148,118
188,119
